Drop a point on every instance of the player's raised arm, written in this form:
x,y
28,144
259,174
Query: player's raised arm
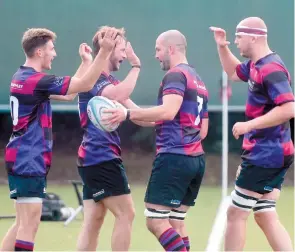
x,y
86,61
228,61
123,91
88,80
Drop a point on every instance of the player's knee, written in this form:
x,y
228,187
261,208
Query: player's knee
x,y
176,219
122,207
30,221
265,219
260,220
93,222
131,214
35,222
156,218
29,226
156,226
265,212
98,220
126,215
16,222
235,214
150,225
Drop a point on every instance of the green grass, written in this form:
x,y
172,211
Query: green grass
x,y
54,236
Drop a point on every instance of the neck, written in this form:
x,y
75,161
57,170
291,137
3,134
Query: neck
x,y
106,70
32,63
261,52
178,60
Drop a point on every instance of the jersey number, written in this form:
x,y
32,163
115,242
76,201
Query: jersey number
x,y
14,105
200,107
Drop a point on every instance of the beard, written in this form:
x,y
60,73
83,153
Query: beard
x,y
165,64
114,64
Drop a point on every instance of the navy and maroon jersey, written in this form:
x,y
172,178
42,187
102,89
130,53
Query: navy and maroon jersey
x,y
269,86
29,150
182,134
97,146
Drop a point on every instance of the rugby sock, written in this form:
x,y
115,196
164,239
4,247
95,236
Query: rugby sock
x,y
186,243
23,246
171,241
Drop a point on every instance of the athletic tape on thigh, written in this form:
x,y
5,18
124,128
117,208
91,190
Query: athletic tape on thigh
x,y
156,214
264,205
177,215
29,200
242,200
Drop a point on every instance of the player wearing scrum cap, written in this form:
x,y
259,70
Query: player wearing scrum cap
x,y
268,151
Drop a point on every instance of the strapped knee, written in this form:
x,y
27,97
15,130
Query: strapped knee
x,y
243,201
264,205
177,215
156,214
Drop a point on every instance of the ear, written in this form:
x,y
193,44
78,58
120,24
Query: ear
x,y
171,49
253,39
39,52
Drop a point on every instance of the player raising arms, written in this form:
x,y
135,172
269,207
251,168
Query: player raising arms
x,y
268,150
28,153
181,123
99,157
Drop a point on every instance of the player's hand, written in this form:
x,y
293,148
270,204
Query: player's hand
x,y
131,56
241,128
219,36
117,115
109,40
85,53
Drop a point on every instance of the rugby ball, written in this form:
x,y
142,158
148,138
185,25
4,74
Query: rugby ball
x,y
95,111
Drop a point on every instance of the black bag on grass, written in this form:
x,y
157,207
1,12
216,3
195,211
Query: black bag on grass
x,y
54,209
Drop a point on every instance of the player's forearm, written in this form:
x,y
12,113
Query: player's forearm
x,y
153,114
276,116
126,87
94,71
129,104
228,61
79,73
88,80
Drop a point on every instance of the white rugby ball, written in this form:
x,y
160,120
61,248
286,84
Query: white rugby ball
x,y
95,111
